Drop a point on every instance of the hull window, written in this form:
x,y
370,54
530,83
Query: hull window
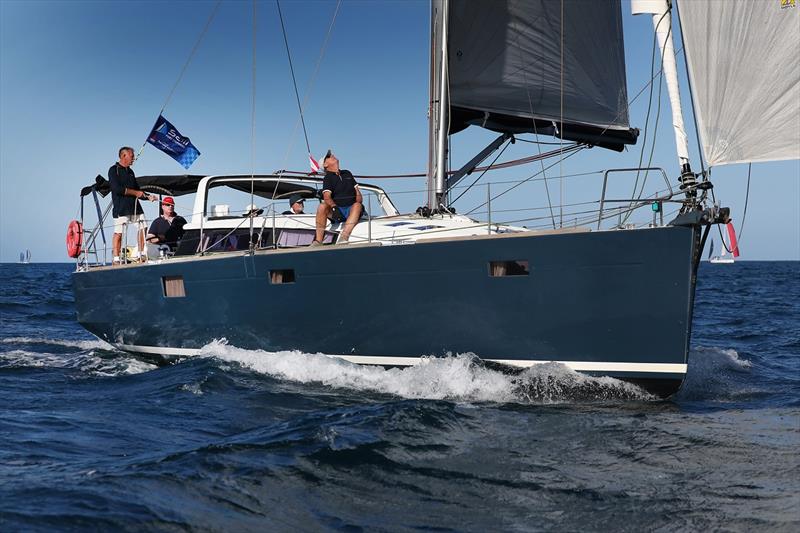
x,y
277,277
173,287
499,269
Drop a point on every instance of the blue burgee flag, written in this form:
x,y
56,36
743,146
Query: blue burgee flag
x,y
170,141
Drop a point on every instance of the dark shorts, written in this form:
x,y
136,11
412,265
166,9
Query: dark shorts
x,y
344,210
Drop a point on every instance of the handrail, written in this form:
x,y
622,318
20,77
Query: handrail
x,y
90,242
617,170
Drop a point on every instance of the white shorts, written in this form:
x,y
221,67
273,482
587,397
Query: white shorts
x,y
119,222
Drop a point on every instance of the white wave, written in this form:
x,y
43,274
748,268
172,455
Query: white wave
x,y
453,378
83,345
714,359
24,358
88,363
99,366
554,382
716,373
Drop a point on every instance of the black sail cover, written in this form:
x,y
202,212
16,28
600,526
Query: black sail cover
x,y
505,68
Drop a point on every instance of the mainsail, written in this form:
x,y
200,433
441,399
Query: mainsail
x,y
554,68
745,74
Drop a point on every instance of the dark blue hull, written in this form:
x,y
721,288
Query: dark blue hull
x,y
615,303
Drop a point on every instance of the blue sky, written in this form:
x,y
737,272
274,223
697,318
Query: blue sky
x,y
80,79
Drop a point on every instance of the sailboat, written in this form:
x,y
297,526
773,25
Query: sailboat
x,y
730,249
25,257
603,301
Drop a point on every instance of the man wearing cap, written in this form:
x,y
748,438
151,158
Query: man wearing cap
x,y
340,196
125,195
296,202
167,229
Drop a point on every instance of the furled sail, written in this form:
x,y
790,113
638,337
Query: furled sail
x,y
533,65
745,75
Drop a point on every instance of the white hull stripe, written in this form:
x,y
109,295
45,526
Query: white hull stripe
x,y
584,366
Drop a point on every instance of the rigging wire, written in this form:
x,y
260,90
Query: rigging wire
x,y
746,198
691,97
561,124
573,151
307,94
658,114
294,79
660,76
499,166
186,64
536,132
531,141
191,54
253,129
507,144
744,213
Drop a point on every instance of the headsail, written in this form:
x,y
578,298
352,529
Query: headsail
x,y
509,72
743,65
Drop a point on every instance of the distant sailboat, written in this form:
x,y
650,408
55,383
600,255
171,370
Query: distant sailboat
x,y
25,257
730,249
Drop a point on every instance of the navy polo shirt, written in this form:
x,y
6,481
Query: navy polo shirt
x,y
342,187
121,178
172,232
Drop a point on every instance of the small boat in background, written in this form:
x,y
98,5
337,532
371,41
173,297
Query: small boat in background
x,y
730,248
25,257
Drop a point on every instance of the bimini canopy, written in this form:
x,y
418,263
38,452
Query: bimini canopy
x,y
176,185
554,68
269,186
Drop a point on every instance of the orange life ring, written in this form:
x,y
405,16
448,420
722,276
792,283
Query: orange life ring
x,y
74,238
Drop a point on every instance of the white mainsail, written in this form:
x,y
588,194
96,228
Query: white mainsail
x,y
745,74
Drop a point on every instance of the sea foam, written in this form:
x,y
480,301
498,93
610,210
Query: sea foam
x,y
460,377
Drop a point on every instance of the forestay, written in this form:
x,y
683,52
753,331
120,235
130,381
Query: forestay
x,y
513,61
745,75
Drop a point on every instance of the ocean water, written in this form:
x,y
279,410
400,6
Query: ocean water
x,y
94,439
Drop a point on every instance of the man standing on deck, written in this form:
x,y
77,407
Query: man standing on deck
x,y
340,195
125,193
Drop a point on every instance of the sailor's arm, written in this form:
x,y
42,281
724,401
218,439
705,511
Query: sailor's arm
x,y
327,198
136,193
359,198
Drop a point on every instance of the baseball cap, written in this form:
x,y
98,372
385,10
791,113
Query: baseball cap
x,y
296,197
168,200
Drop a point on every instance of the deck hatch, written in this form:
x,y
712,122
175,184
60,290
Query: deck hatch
x,y
278,277
173,287
498,269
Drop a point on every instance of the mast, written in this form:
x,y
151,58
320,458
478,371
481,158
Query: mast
x,y
662,24
439,105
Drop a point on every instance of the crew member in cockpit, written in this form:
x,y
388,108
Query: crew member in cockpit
x,y
296,202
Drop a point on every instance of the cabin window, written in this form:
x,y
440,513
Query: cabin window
x,y
173,287
499,269
278,277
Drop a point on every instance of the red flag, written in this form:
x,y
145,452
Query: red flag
x,y
314,164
